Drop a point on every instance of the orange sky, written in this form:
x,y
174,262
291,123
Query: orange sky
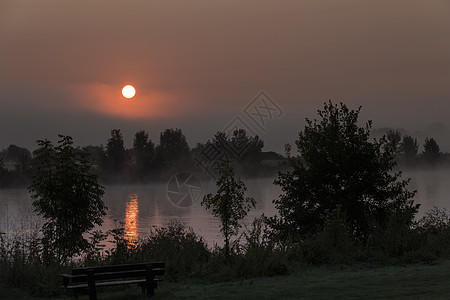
x,y
198,64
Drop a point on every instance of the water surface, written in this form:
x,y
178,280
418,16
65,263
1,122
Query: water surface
x,y
141,208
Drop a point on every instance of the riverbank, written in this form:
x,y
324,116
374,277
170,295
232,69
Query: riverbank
x,y
416,281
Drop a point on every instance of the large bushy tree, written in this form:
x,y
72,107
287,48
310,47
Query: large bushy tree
x,y
67,195
339,167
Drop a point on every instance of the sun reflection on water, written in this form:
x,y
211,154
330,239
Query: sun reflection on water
x,y
132,218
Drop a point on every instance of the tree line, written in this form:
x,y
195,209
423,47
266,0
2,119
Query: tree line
x,y
146,161
406,150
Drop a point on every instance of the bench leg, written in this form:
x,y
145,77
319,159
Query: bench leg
x,y
149,284
91,285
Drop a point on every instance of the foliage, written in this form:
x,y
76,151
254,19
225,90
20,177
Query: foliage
x,y
259,254
409,148
339,167
184,252
3,174
67,196
18,172
115,151
237,145
393,141
229,204
431,151
334,244
172,147
144,153
96,156
20,156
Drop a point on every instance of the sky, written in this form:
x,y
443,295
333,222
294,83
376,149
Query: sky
x,y
210,65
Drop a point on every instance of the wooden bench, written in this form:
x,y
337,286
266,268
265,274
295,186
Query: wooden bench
x,y
86,280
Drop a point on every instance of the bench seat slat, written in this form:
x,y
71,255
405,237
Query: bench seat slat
x,y
108,283
114,275
117,268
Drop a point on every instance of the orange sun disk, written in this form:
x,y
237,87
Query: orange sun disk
x,y
128,91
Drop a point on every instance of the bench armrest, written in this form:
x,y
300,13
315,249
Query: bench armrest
x,y
66,279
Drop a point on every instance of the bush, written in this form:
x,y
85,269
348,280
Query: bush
x,y
184,252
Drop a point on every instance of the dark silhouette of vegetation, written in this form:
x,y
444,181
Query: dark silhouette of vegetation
x,y
431,151
172,149
339,168
146,161
18,162
115,152
67,195
229,205
143,153
409,148
4,174
244,151
394,138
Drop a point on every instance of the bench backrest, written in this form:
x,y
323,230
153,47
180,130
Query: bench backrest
x,y
117,271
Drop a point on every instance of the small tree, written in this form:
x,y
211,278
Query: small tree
x,y
67,196
339,167
229,204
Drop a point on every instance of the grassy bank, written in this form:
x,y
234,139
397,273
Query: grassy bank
x,y
395,282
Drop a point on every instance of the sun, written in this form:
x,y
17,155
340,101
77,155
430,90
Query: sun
x,y
128,91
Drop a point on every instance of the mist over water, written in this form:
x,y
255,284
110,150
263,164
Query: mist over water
x,y
141,208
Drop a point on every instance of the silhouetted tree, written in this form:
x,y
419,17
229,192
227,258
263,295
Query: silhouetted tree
x,y
238,146
251,146
394,138
172,148
431,151
144,152
3,174
229,204
340,168
20,156
115,151
409,148
67,195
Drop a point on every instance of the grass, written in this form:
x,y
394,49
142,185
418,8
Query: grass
x,y
411,282
395,282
